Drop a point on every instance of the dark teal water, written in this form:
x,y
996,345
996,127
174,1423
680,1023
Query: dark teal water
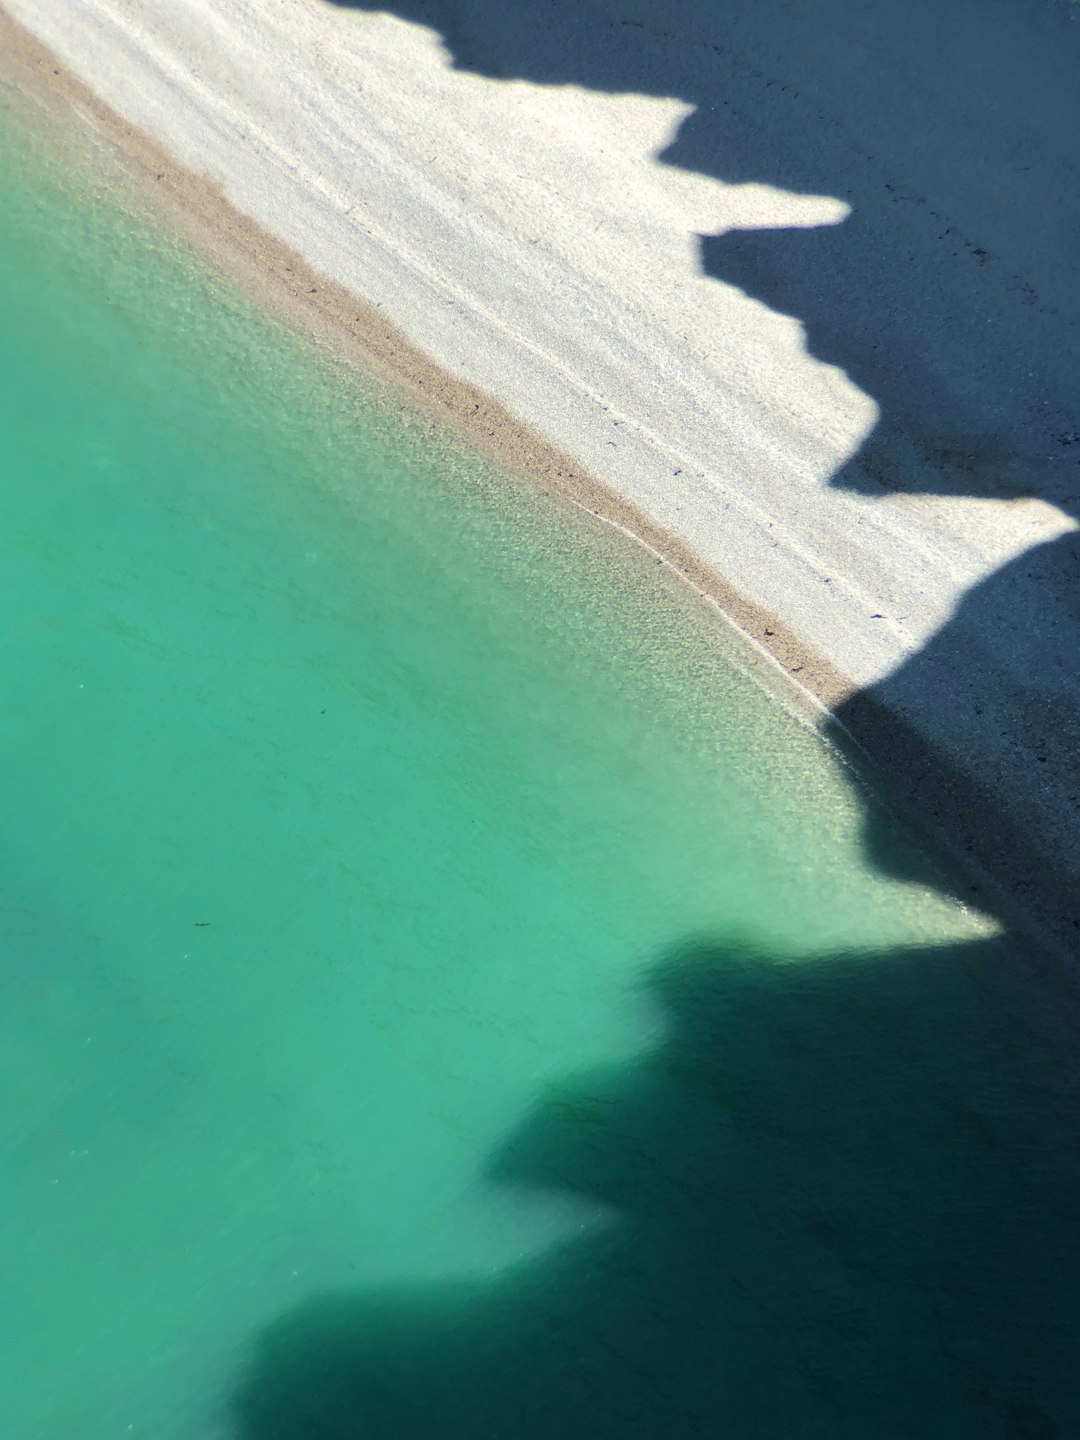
x,y
444,992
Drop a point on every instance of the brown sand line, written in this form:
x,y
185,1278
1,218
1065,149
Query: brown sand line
x,y
992,860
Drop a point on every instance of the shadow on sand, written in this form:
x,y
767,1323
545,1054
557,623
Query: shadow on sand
x,y
843,1188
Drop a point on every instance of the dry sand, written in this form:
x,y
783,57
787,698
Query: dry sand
x,y
579,234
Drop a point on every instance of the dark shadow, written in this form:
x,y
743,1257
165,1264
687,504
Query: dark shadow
x,y
843,1199
951,296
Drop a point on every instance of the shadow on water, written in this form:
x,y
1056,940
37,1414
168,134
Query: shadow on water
x,y
844,1204
842,1188
949,296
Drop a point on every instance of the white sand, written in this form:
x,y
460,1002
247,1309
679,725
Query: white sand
x,y
528,238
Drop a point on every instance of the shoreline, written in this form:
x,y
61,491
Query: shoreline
x,y
1004,872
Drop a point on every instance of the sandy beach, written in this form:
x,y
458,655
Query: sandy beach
x,y
798,306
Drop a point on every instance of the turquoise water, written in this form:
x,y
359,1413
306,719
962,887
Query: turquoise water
x,y
444,989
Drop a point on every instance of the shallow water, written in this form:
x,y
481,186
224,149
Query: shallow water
x,y
411,896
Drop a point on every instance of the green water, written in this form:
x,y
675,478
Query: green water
x,y
444,991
